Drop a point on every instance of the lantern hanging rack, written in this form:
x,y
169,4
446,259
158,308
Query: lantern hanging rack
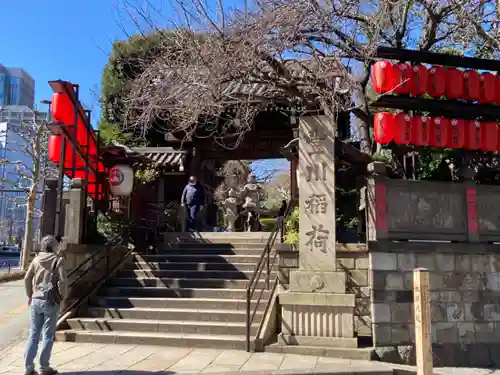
x,y
436,107
434,58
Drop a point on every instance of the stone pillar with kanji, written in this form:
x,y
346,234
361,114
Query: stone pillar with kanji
x,y
316,311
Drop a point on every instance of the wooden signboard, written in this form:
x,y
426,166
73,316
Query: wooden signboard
x,y
423,340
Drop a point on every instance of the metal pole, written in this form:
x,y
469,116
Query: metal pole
x,y
268,254
75,127
248,323
60,187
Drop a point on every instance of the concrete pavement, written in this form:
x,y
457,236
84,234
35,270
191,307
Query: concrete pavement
x,y
113,359
13,313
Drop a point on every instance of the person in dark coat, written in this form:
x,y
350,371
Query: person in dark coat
x,y
280,218
193,198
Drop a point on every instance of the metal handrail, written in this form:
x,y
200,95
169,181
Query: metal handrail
x,y
114,243
109,244
265,262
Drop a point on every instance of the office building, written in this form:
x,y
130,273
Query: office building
x,y
16,87
14,183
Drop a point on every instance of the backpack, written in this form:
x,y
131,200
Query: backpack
x,y
51,290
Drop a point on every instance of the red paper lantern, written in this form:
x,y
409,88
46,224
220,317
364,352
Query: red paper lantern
x,y
437,82
421,131
454,83
62,109
489,136
440,132
420,80
403,78
383,127
488,87
382,77
497,89
403,124
472,135
457,133
472,85
54,151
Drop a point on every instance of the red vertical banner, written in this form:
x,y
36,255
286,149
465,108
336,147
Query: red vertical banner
x,y
472,218
381,225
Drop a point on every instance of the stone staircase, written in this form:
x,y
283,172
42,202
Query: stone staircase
x,y
188,294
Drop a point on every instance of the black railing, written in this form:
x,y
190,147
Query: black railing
x,y
266,262
110,246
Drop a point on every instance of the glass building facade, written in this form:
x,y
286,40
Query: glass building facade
x,y
16,87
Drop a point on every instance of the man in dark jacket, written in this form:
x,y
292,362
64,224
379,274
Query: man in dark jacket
x,y
193,198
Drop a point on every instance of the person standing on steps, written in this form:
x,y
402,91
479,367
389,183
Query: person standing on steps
x,y
280,218
193,198
46,287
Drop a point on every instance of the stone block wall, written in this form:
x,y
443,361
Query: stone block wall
x,y
352,259
92,271
464,294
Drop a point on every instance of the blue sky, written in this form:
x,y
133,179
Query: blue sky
x,y
69,40
59,39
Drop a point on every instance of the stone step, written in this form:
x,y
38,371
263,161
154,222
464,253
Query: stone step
x,y
176,303
191,266
161,326
151,338
200,315
365,354
187,274
182,283
166,292
219,237
205,250
214,245
185,258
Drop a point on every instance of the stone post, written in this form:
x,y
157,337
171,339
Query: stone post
x,y
316,310
376,202
422,313
75,214
49,207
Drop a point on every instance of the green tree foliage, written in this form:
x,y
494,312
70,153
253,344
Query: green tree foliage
x,y
127,60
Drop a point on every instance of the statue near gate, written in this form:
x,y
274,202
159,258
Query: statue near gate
x,y
230,205
252,196
230,202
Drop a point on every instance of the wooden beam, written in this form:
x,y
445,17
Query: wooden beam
x,y
435,58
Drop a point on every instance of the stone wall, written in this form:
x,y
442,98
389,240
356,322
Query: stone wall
x,y
352,259
465,301
82,280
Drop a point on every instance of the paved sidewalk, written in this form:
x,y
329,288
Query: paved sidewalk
x,y
111,359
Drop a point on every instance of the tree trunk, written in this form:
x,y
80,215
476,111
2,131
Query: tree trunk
x,y
28,229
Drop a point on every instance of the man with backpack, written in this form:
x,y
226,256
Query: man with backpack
x,y
46,287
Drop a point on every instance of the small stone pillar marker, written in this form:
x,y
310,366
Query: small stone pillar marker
x,y
422,312
75,214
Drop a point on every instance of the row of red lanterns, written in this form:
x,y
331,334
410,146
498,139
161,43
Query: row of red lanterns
x,y
436,81
436,132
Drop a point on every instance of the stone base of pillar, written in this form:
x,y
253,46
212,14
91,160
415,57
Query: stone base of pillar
x,y
334,342
317,319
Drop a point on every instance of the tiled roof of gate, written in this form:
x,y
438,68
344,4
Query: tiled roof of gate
x,y
165,157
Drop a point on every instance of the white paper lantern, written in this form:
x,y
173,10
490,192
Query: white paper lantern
x,y
121,180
